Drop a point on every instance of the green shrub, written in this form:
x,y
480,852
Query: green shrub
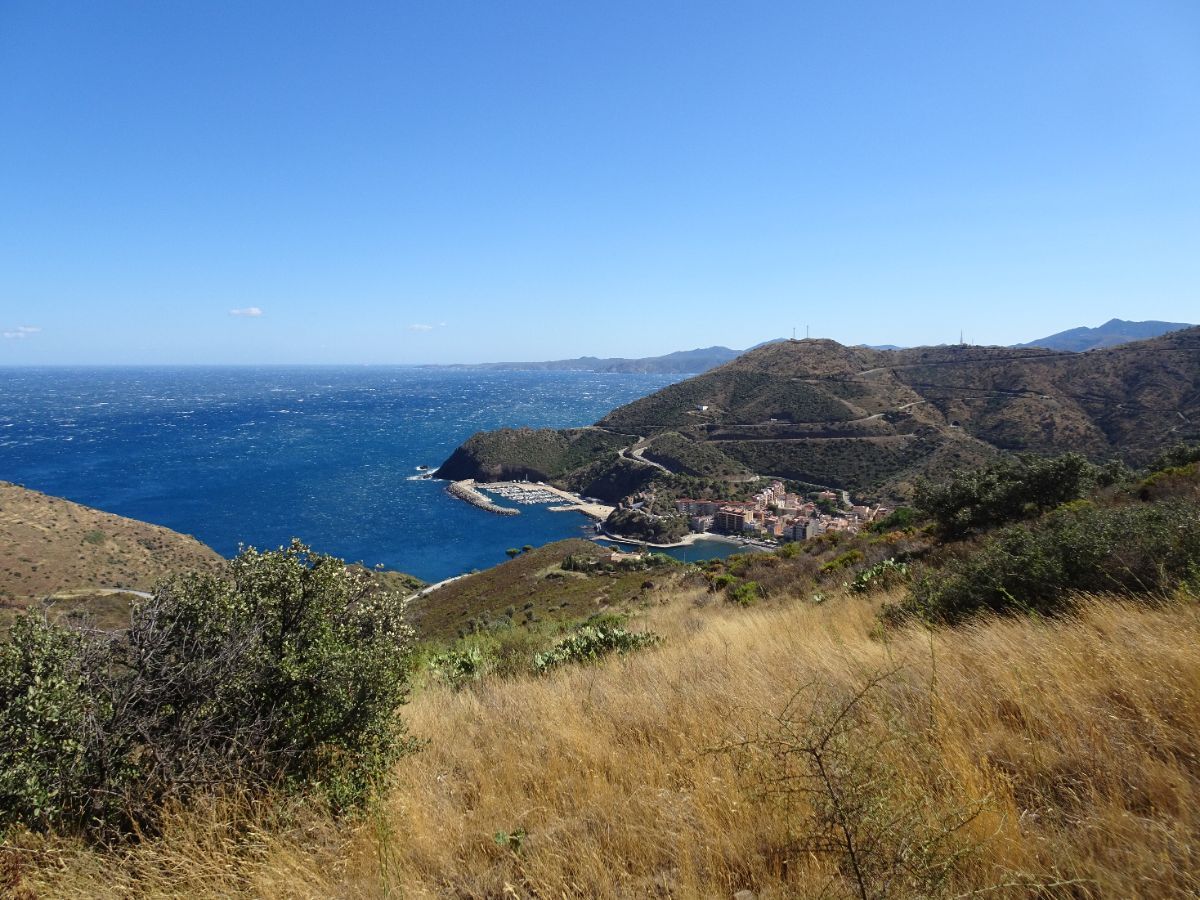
x,y
842,561
745,593
899,519
460,666
1175,481
590,642
1177,457
722,581
1137,549
881,575
44,710
1013,488
286,673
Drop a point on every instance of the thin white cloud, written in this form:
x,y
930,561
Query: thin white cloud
x,y
249,312
21,332
419,327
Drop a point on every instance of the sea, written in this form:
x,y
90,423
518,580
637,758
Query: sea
x,y
255,456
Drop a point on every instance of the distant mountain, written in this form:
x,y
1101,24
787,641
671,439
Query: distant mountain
x,y
870,421
681,362
1111,334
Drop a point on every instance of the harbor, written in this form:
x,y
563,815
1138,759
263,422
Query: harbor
x,y
466,490
528,492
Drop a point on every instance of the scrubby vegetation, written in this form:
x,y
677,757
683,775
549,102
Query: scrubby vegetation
x,y
1013,488
690,457
1014,757
611,478
641,525
557,584
1144,549
860,715
733,394
53,547
287,674
590,642
541,454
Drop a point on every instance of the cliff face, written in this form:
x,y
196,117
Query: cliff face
x,y
871,421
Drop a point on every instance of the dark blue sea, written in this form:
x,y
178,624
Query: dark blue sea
x,y
256,456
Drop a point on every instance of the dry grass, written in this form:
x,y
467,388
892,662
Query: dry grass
x,y
49,545
1068,749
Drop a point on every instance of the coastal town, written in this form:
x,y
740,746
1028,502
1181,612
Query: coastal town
x,y
775,513
772,515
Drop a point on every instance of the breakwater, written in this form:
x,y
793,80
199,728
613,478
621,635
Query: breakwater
x,y
465,490
524,492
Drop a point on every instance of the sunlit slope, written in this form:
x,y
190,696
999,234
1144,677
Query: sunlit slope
x,y
49,545
872,421
1021,757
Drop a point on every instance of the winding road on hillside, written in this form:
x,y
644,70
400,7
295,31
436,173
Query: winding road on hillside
x,y
634,452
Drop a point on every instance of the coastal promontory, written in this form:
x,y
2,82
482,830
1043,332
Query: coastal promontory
x,y
873,422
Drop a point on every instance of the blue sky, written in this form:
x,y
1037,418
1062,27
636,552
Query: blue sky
x,y
449,181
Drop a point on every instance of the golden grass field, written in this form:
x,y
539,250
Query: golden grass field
x,y
1011,758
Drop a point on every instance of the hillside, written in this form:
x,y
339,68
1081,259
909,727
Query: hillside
x,y
788,741
1111,334
52,545
1011,709
531,588
870,421
541,454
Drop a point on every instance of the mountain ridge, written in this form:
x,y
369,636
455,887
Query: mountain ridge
x,y
874,421
687,362
1112,333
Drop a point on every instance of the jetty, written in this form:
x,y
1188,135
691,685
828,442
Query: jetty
x,y
528,493
465,490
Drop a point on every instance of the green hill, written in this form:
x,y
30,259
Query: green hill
x,y
533,587
866,420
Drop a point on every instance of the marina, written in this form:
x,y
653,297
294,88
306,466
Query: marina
x,y
526,496
530,493
465,490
